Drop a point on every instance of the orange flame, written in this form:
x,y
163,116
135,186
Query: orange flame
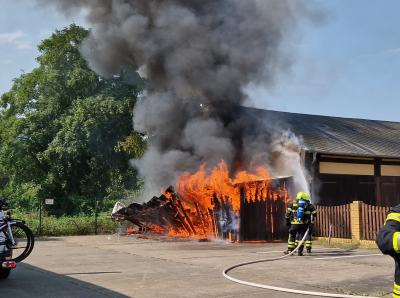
x,y
200,187
203,194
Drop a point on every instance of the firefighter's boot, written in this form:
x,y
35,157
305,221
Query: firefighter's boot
x,y
308,246
300,251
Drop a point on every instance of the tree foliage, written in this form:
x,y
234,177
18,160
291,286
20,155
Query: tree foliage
x,y
66,132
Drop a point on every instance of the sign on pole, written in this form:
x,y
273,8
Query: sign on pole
x,y
49,201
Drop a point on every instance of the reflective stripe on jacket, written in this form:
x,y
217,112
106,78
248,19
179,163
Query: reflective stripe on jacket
x,y
388,238
309,214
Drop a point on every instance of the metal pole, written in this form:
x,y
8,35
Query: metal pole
x,y
96,215
40,216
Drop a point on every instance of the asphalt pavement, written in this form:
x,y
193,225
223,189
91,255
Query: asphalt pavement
x,y
114,266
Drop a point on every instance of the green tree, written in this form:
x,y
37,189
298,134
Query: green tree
x,y
66,132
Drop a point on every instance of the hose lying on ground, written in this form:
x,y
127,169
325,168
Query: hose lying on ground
x,y
252,284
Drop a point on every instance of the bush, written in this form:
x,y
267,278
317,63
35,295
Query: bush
x,y
68,225
71,206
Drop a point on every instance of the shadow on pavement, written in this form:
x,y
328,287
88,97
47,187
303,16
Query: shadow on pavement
x,y
92,273
30,281
47,238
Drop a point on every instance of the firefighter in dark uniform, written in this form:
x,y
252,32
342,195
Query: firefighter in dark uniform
x,y
313,214
299,217
388,241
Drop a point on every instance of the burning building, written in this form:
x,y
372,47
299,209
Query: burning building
x,y
211,205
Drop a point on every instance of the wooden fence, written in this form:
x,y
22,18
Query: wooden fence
x,y
333,221
262,218
372,219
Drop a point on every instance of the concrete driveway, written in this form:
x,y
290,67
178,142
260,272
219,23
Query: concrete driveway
x,y
113,266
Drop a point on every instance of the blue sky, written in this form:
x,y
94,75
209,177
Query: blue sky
x,y
23,24
349,65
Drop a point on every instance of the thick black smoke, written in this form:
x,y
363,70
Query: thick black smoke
x,y
198,55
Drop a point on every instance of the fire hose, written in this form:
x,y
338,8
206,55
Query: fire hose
x,y
280,289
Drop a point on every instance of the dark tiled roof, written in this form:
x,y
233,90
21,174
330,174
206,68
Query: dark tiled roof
x,y
335,135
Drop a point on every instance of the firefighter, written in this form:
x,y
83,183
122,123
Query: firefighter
x,y
388,241
313,213
299,217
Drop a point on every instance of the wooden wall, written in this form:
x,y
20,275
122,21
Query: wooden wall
x,y
338,180
335,189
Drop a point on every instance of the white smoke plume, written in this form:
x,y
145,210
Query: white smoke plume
x,y
285,150
198,56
